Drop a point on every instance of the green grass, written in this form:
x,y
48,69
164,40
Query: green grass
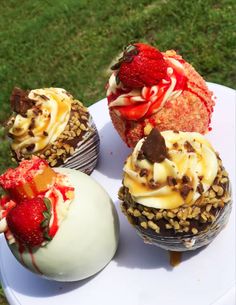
x,y
71,43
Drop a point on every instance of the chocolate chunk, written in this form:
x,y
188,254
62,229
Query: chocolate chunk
x,y
200,188
154,147
30,147
143,172
189,147
175,145
20,102
153,184
44,97
184,191
45,133
30,133
32,123
185,179
140,155
37,111
171,181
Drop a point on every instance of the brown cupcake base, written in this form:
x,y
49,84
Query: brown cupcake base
x,y
185,242
183,228
77,147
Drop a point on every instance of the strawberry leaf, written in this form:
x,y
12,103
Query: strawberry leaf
x,y
47,236
47,202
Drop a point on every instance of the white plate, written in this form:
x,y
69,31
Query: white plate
x,y
140,274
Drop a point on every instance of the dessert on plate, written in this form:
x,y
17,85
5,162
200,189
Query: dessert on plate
x,y
58,223
175,192
149,88
52,125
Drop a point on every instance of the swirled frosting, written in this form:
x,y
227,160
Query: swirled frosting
x,y
44,122
141,103
180,179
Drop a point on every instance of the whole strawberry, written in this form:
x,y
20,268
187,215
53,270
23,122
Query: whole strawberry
x,y
28,221
141,65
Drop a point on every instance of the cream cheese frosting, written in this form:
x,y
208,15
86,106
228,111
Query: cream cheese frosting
x,y
46,121
180,179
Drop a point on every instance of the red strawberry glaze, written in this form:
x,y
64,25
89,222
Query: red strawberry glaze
x,y
64,190
182,82
151,98
54,226
34,262
25,172
22,249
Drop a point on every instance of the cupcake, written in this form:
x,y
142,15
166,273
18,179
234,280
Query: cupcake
x,y
175,192
52,125
52,221
152,89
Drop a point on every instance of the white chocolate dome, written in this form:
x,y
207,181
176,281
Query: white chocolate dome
x,y
86,240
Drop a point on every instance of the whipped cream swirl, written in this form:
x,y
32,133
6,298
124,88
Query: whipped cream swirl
x,y
44,122
178,180
141,103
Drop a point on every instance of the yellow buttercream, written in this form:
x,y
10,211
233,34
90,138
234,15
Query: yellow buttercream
x,y
54,105
153,189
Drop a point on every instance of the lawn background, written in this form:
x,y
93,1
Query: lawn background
x,y
71,43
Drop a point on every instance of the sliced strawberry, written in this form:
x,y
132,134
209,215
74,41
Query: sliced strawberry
x,y
134,112
28,221
141,65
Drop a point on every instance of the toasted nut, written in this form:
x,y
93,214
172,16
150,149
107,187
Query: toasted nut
x,y
130,211
194,230
208,207
137,213
170,214
168,226
47,152
212,194
53,163
72,150
176,225
215,188
220,191
152,225
224,180
143,224
224,173
158,215
60,152
203,217
82,127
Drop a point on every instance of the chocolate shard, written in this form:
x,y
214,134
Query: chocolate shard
x,y
20,102
184,191
171,181
188,147
154,147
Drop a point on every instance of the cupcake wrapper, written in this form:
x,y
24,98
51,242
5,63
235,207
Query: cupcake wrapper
x,y
188,242
86,153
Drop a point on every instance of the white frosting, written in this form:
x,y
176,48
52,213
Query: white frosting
x,y
87,238
154,97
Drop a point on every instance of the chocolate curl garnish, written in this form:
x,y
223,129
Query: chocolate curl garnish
x,y
154,147
20,102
